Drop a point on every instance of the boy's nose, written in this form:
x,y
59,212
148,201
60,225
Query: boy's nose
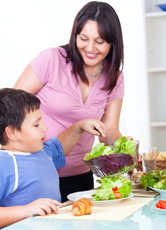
x,y
44,128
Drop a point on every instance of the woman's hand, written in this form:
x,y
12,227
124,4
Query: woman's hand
x,y
93,126
42,207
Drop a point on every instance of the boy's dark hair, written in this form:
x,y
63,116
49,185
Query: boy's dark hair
x,y
14,105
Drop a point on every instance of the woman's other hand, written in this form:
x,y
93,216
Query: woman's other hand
x,y
129,137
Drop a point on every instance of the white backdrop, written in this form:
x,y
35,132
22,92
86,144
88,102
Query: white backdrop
x,y
30,26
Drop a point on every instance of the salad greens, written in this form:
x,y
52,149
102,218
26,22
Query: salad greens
x,y
122,146
103,160
155,179
111,187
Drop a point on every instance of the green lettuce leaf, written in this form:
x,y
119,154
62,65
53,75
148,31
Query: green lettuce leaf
x,y
120,142
105,192
97,150
125,190
122,146
159,185
153,179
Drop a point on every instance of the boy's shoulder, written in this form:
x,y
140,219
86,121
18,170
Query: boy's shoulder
x,y
6,161
4,155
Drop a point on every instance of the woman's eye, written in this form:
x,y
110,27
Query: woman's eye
x,y
36,125
99,42
84,39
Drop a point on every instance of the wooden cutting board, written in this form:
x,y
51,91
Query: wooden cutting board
x,y
116,212
141,192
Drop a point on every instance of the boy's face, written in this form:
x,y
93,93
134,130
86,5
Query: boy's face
x,y
31,136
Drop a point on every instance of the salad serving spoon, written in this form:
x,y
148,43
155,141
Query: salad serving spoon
x,y
110,143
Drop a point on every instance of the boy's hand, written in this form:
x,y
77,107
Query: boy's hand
x,y
93,126
42,207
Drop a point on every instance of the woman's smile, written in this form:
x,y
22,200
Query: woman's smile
x,y
91,55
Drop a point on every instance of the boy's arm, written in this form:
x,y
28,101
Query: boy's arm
x,y
10,215
42,207
71,136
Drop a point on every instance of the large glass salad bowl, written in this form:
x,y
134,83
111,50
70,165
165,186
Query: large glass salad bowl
x,y
104,161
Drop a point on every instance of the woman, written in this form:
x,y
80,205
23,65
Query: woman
x,y
80,80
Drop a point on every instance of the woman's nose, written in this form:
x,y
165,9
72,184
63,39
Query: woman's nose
x,y
90,46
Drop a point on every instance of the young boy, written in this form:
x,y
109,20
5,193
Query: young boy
x,y
29,182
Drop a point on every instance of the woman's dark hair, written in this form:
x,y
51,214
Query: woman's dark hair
x,y
14,105
109,29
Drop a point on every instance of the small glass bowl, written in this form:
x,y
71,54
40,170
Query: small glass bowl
x,y
114,164
162,192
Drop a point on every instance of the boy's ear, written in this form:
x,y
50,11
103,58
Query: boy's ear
x,y
11,133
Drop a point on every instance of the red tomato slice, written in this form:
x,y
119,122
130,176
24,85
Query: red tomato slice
x,y
161,206
117,195
162,202
158,205
115,189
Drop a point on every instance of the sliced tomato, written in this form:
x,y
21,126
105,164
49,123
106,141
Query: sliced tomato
x,y
162,202
161,206
117,195
115,189
158,205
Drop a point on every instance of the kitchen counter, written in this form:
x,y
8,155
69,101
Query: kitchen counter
x,y
144,219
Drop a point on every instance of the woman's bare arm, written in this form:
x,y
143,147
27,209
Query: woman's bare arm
x,y
28,81
111,120
71,136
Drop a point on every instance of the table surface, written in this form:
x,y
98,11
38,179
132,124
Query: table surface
x,y
145,218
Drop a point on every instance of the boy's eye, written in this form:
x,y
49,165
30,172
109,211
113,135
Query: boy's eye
x,y
36,125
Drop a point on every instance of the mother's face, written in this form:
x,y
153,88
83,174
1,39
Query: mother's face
x,y
91,46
